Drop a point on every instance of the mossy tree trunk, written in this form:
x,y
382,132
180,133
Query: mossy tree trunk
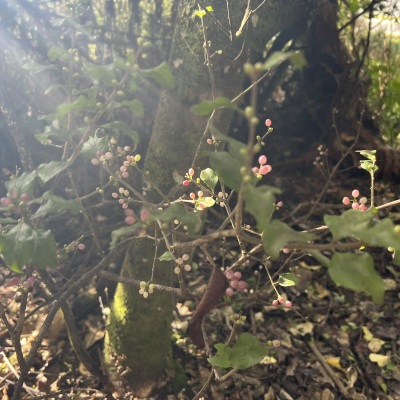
x,y
140,328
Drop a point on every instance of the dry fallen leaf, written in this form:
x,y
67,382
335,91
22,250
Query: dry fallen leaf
x,y
380,359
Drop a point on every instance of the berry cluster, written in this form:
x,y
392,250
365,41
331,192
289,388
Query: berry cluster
x,y
146,289
235,282
180,263
356,204
263,169
281,300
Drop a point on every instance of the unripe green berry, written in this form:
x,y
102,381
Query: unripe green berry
x,y
86,120
246,178
248,112
259,67
243,170
256,148
143,285
248,69
254,120
120,93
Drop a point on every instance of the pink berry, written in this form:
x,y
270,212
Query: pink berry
x,y
229,292
275,303
95,161
125,206
130,220
191,171
209,141
355,193
144,214
125,174
262,160
281,299
241,286
234,283
237,275
255,170
192,195
229,274
363,200
25,197
186,183
268,122
363,207
355,206
265,169
200,193
5,201
129,212
288,304
346,201
123,168
108,155
285,250
81,246
10,294
114,195
279,203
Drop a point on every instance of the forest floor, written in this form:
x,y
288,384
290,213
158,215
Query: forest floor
x,y
331,344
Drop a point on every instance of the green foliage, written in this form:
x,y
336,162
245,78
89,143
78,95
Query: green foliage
x,y
260,203
288,279
246,352
120,233
206,107
357,272
179,212
167,256
162,74
277,235
53,204
24,245
209,177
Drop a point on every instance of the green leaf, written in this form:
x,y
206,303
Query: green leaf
x,y
236,148
179,212
209,177
135,105
57,53
246,352
350,223
100,73
120,128
26,183
206,202
55,204
278,234
357,272
288,279
206,107
82,103
167,256
227,168
93,145
364,226
24,245
161,74
48,171
260,203
278,57
120,233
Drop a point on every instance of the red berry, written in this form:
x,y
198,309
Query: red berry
x,y
144,214
268,122
186,183
5,201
